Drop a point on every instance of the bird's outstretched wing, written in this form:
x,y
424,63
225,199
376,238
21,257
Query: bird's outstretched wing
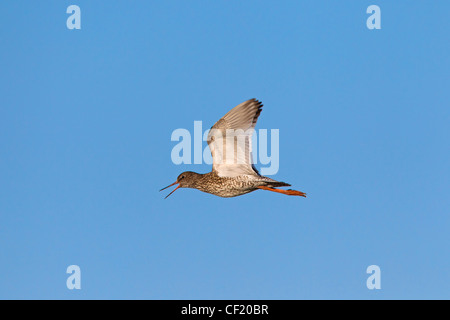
x,y
230,140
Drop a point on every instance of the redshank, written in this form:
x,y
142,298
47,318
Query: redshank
x,y
235,174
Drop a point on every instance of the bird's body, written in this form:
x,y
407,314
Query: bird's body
x,y
233,174
228,187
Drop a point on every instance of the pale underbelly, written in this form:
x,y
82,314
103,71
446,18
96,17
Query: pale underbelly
x,y
229,192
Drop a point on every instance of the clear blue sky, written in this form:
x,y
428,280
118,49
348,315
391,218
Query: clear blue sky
x,y
85,123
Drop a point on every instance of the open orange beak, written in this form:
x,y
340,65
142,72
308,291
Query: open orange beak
x,y
172,190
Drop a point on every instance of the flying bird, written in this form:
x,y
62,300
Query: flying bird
x,y
233,173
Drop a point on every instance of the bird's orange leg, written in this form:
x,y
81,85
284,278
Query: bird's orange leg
x,y
289,192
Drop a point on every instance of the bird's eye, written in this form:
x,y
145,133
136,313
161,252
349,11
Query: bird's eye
x,y
182,177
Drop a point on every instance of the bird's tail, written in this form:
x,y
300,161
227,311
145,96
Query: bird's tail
x,y
270,185
277,184
274,183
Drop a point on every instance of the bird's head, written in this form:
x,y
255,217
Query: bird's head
x,y
186,179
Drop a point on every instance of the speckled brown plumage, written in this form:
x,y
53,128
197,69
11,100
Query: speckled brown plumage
x,y
225,187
